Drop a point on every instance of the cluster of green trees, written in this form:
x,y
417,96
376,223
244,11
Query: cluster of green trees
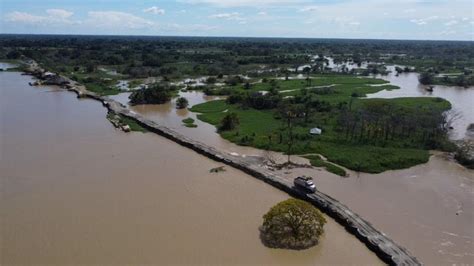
x,y
405,69
465,79
380,121
257,100
157,93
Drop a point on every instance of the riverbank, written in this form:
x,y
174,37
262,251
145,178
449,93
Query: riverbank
x,y
384,247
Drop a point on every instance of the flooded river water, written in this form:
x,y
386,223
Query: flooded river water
x,y
75,190
461,99
168,115
428,208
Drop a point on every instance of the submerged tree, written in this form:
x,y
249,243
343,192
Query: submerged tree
x,y
157,93
465,154
426,78
182,103
292,224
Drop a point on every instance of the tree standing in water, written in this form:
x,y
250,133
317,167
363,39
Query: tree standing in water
x,y
182,103
292,224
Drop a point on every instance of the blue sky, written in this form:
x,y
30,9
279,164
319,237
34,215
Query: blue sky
x,y
375,19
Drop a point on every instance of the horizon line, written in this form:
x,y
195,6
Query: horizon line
x,y
235,37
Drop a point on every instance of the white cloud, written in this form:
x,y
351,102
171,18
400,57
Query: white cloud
x,y
447,32
410,10
52,17
309,9
345,21
189,28
228,16
451,23
262,13
59,13
424,21
23,17
116,19
154,10
249,3
418,21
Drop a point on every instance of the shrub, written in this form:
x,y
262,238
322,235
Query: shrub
x,y
292,224
229,122
211,80
465,154
182,103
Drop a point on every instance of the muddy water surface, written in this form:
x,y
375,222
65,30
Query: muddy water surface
x,y
429,208
75,190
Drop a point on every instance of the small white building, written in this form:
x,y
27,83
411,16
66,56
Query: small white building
x,y
315,131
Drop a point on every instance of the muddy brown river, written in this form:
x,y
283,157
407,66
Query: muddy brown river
x,y
76,191
427,208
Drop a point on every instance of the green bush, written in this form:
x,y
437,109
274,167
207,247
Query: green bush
x,y
229,122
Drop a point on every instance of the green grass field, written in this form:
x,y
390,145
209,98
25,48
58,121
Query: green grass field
x,y
261,129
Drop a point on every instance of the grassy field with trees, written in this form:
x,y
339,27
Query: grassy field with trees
x,y
369,135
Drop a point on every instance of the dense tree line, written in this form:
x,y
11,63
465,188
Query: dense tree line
x,y
382,121
465,79
143,56
157,93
